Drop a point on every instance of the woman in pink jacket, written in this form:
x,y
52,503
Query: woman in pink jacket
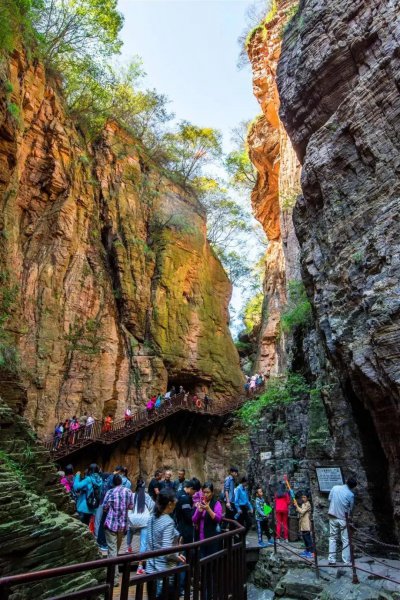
x,y
282,503
207,517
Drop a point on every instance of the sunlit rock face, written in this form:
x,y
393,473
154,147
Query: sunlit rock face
x,y
117,291
276,189
338,80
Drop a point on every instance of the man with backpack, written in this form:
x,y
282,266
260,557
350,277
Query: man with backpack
x,y
88,488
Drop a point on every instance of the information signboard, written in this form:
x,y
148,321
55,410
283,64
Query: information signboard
x,y
328,477
265,455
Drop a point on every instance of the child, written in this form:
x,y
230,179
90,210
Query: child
x,y
282,503
305,525
262,520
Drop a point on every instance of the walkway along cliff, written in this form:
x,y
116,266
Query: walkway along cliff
x,y
110,292
113,289
326,77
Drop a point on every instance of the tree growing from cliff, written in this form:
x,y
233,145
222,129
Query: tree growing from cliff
x,y
237,163
190,148
68,29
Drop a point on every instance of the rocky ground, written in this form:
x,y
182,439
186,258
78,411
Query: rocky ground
x,y
284,576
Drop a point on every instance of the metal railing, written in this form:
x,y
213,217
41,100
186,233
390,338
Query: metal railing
x,y
72,441
217,576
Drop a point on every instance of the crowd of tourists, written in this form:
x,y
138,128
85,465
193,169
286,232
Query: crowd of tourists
x,y
73,429
255,383
183,509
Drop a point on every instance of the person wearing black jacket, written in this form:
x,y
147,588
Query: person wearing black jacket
x,y
184,512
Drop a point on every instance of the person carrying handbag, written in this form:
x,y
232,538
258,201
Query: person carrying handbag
x,y
138,518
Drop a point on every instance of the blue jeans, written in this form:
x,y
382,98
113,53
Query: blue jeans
x,y
143,538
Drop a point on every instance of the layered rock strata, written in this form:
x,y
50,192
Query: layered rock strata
x,y
36,530
323,431
113,291
339,89
276,189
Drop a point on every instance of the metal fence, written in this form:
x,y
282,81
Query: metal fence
x,y
217,576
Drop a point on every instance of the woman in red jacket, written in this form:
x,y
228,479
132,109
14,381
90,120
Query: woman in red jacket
x,y
282,503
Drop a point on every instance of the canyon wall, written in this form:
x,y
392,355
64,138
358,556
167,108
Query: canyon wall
x,y
110,288
37,531
338,80
276,189
352,330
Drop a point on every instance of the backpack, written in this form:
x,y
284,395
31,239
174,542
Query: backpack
x,y
93,498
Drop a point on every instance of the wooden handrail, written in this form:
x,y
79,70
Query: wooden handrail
x,y
229,557
72,441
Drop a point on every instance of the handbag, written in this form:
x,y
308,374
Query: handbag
x,y
136,519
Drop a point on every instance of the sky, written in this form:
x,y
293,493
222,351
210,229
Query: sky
x,y
189,50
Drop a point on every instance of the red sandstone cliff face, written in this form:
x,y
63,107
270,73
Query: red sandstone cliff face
x,y
276,188
115,290
339,88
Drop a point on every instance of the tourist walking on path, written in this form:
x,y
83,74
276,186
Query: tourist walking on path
x,y
305,525
100,516
58,433
243,505
88,489
229,493
262,519
89,426
67,480
161,533
138,518
107,424
341,502
128,416
282,503
117,502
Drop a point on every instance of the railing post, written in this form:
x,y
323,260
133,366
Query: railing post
x,y
196,572
4,593
110,581
351,547
314,541
274,528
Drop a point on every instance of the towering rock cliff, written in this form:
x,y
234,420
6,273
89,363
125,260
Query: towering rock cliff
x,y
277,186
339,87
110,288
337,101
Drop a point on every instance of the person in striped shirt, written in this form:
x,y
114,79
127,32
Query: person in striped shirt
x,y
161,533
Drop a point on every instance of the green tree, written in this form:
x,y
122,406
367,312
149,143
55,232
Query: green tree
x,y
237,163
252,311
77,28
189,148
235,264
226,218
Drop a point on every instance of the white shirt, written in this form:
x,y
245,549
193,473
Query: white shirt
x,y
89,421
